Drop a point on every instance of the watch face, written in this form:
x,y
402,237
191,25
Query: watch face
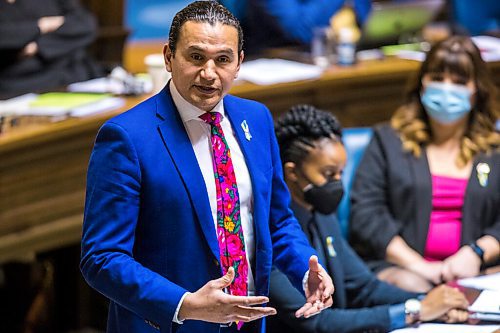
x,y
412,306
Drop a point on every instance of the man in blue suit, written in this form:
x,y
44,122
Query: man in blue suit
x,y
149,239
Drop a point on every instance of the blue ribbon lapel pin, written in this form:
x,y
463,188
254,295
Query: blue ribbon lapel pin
x,y
246,129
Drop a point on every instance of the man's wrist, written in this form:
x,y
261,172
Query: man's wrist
x,y
182,311
304,281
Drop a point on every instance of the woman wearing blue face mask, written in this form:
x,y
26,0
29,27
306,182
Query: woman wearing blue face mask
x,y
426,197
313,158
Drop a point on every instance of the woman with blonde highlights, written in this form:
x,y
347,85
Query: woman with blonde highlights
x,y
426,198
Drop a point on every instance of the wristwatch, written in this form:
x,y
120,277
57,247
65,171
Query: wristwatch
x,y
412,310
477,250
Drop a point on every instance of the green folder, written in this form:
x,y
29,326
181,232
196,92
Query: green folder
x,y
63,102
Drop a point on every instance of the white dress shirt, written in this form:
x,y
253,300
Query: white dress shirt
x,y
199,135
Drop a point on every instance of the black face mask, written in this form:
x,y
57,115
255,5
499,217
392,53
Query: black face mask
x,y
325,198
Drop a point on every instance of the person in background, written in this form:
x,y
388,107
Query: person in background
x,y
476,17
186,207
313,158
43,45
277,23
426,195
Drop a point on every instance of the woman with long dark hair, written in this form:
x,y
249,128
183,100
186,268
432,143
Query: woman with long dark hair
x,y
426,197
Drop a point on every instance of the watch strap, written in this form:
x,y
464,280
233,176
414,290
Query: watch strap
x,y
477,250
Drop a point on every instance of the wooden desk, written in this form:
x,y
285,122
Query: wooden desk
x,y
42,184
42,170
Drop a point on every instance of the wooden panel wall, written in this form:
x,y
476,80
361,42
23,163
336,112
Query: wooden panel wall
x,y
112,34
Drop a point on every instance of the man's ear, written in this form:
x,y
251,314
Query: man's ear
x,y
289,170
167,55
240,60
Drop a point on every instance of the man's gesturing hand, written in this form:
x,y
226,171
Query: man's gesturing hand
x,y
319,290
211,304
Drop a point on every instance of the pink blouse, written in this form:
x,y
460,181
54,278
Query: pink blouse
x,y
445,226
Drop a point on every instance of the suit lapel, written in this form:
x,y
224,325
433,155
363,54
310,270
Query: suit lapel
x,y
250,151
237,118
329,228
179,147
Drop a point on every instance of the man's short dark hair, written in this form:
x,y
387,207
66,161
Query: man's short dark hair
x,y
203,11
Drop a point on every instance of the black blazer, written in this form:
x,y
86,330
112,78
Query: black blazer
x,y
360,302
392,195
61,58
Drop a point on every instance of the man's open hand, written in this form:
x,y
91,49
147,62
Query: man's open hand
x,y
211,304
319,290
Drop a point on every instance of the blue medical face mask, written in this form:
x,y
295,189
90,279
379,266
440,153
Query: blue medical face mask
x,y
446,102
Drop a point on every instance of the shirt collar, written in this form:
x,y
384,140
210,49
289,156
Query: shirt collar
x,y
188,111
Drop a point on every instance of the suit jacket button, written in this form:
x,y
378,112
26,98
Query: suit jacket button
x,y
216,262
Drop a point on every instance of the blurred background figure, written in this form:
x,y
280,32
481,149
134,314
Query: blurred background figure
x,y
476,17
276,23
152,19
43,45
313,158
426,196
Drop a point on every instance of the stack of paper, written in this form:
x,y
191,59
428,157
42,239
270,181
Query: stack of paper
x,y
489,47
487,306
449,328
272,71
16,105
490,282
60,104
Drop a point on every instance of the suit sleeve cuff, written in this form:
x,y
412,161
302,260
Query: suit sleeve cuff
x,y
176,314
397,316
304,281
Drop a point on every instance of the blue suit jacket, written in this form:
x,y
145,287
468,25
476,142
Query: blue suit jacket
x,y
148,233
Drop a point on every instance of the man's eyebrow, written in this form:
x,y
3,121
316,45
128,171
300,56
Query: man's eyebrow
x,y
201,49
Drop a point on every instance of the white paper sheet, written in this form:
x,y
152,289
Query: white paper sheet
x,y
489,46
449,328
490,282
20,106
109,85
107,104
272,71
488,301
16,104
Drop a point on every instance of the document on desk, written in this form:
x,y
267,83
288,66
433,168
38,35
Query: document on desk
x,y
60,105
272,71
449,328
490,282
107,104
487,302
16,104
488,45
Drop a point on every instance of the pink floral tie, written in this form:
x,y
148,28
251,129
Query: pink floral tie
x,y
229,228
